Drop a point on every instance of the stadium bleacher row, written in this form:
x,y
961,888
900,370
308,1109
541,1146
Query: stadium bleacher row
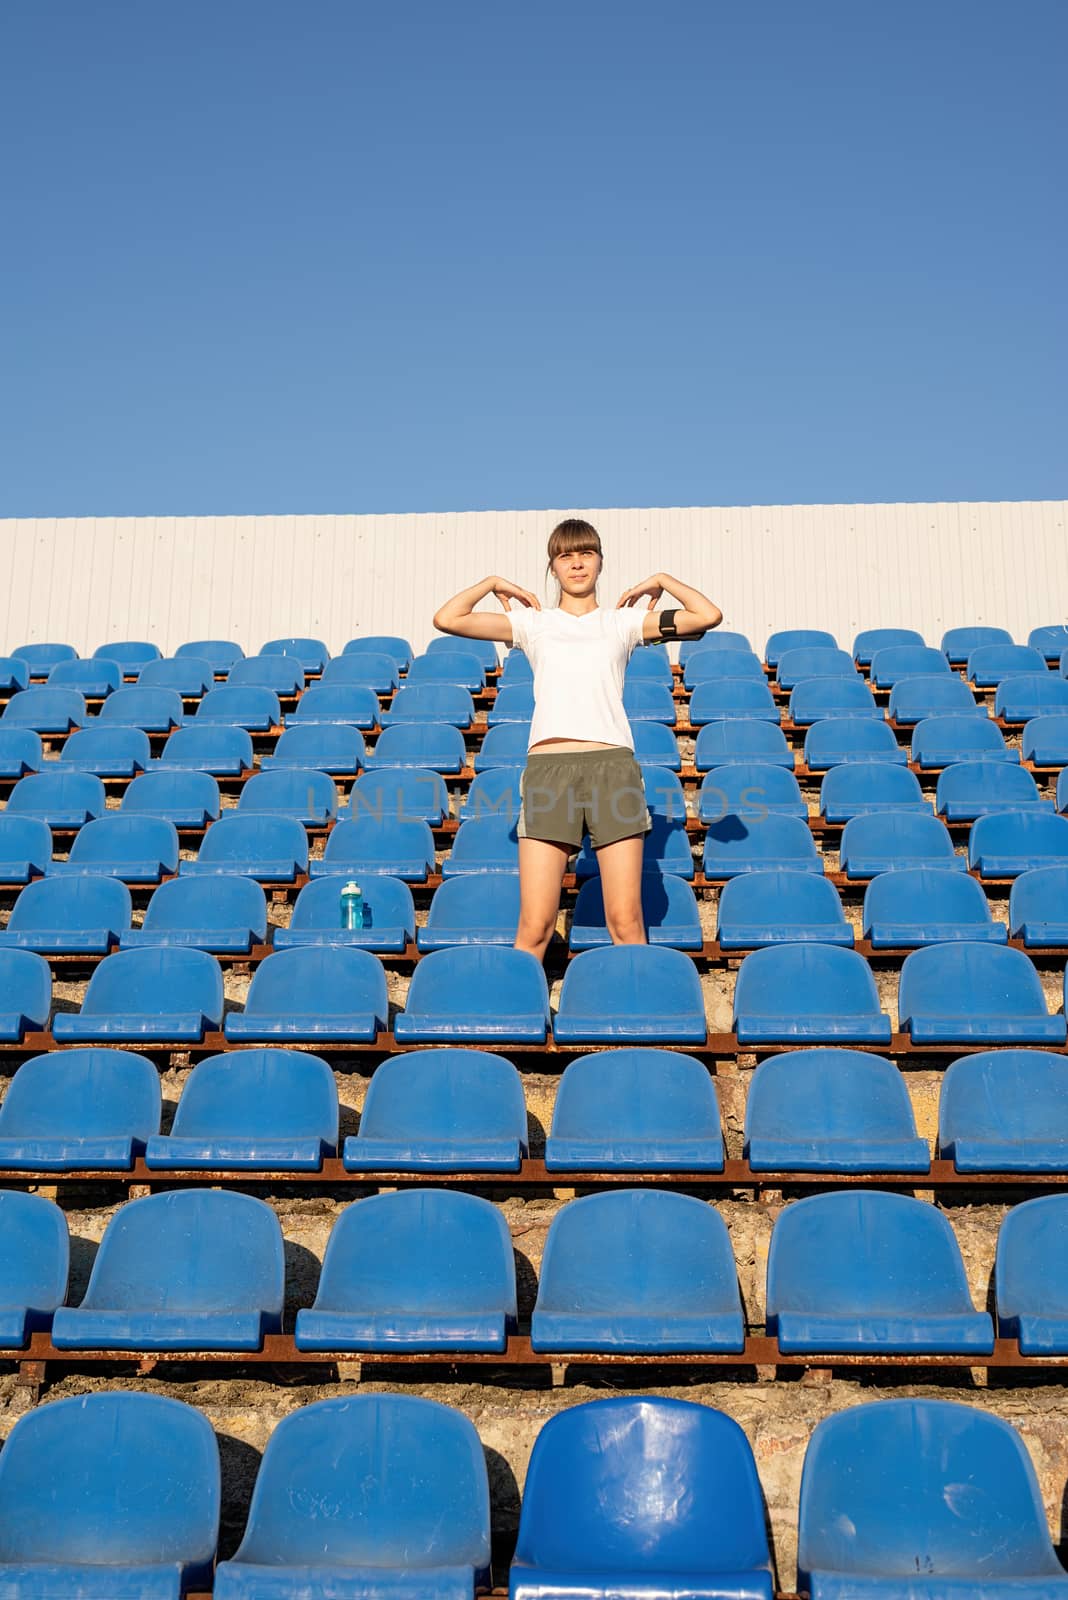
x,y
389,1495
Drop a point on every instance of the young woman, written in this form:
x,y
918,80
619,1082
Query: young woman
x,y
581,775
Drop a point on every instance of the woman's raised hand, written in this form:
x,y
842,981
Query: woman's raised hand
x,y
505,591
653,587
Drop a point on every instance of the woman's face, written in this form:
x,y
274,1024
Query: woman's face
x,y
577,572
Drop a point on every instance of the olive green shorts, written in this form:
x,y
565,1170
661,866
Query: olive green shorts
x,y
599,792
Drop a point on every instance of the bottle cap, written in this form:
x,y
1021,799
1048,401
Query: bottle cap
x,y
352,887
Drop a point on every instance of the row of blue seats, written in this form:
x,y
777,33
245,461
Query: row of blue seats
x,y
57,711
338,748
628,1271
117,1496
89,915
956,993
820,1110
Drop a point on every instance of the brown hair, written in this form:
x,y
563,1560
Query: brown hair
x,y
572,534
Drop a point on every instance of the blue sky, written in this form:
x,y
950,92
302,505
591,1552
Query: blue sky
x,y
348,255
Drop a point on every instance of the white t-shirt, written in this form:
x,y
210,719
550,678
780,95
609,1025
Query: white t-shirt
x,y
578,665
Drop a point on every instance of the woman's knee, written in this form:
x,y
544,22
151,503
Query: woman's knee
x,y
626,924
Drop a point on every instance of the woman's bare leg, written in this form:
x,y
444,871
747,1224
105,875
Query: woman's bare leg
x,y
541,873
621,876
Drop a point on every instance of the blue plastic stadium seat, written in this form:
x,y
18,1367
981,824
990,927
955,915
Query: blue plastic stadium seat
x,y
311,653
25,994
190,676
185,799
645,701
635,1110
430,702
367,670
21,751
222,653
1029,695
721,639
989,664
1005,1111
111,1496
863,788
750,790
476,992
970,789
148,994
79,1109
45,710
324,993
1030,1277
831,1110
922,1500
892,840
780,907
398,792
835,741
421,1270
495,793
474,908
669,911
652,663
933,695
255,710
957,644
151,710
456,666
639,1272
222,751
812,992
390,644
820,699
1052,641
665,848
346,704
514,703
131,654
894,663
868,640
307,796
331,747
398,847
436,745
516,669
25,848
631,994
388,926
57,797
443,1110
797,639
861,1271
593,1521
271,849
224,915
14,674
1045,740
921,906
1038,907
946,740
137,849
958,993
813,661
253,1110
73,916
484,844
34,1268
1007,843
484,650
503,746
405,1480
655,744
712,666
41,658
106,752
734,845
1062,794
95,679
193,1269
732,700
721,744
282,674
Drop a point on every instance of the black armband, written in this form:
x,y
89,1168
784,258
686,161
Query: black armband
x,y
666,620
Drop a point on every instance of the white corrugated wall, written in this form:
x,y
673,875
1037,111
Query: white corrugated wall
x,y
169,579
